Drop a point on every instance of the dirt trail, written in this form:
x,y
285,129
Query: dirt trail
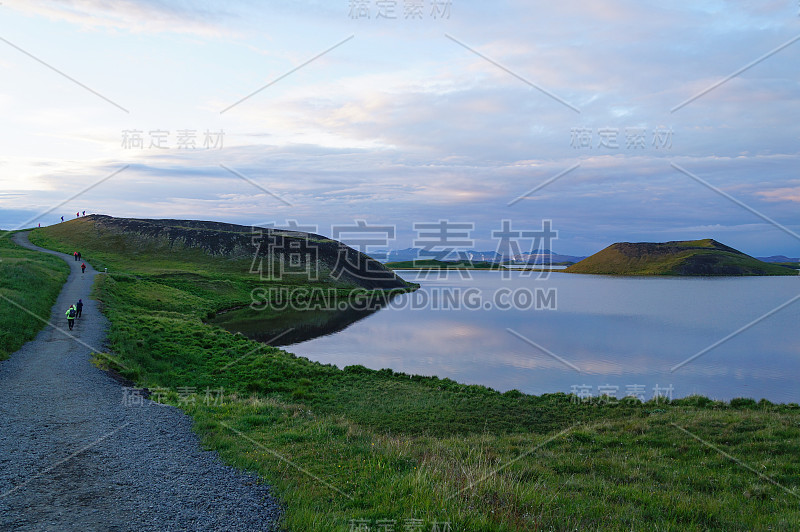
x,y
74,456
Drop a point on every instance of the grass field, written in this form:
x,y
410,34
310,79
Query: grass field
x,y
352,447
29,285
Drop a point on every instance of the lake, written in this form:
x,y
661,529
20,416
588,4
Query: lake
x,y
585,334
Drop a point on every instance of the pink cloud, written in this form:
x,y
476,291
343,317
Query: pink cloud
x,y
782,194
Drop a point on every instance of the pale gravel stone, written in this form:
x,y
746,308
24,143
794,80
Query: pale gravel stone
x,y
141,467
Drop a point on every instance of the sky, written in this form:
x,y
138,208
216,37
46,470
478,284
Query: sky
x,y
617,121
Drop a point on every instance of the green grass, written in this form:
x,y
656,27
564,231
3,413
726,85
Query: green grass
x,y
341,445
642,473
122,253
31,281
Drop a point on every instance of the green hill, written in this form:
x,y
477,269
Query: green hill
x,y
693,257
155,246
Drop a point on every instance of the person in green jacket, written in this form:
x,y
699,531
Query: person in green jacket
x,y
71,312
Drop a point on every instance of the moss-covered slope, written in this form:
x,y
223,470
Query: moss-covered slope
x,y
148,245
694,257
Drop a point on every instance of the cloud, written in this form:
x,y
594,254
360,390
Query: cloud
x,y
402,124
138,16
791,194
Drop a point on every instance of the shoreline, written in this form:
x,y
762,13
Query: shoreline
x,y
373,434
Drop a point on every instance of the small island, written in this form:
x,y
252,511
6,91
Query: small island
x,y
705,257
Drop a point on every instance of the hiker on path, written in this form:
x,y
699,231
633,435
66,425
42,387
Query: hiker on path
x,y
83,267
79,255
79,308
75,254
71,316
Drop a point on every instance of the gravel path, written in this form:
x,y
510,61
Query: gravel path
x,y
74,457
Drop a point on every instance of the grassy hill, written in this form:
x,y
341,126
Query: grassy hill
x,y
693,257
344,447
214,247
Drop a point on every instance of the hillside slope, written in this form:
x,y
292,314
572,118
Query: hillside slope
x,y
30,280
409,448
285,256
694,257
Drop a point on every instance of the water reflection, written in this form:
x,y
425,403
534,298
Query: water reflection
x,y
626,333
291,326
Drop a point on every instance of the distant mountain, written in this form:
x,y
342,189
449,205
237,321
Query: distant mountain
x,y
401,255
407,254
546,256
778,258
444,265
693,257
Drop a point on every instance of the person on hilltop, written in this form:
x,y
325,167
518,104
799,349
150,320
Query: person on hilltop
x,y
71,316
84,213
62,218
83,267
79,308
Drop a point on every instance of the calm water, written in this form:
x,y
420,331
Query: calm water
x,y
623,334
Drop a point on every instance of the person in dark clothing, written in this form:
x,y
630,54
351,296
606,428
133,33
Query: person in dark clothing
x,y
79,255
75,255
79,308
83,267
71,316
62,218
